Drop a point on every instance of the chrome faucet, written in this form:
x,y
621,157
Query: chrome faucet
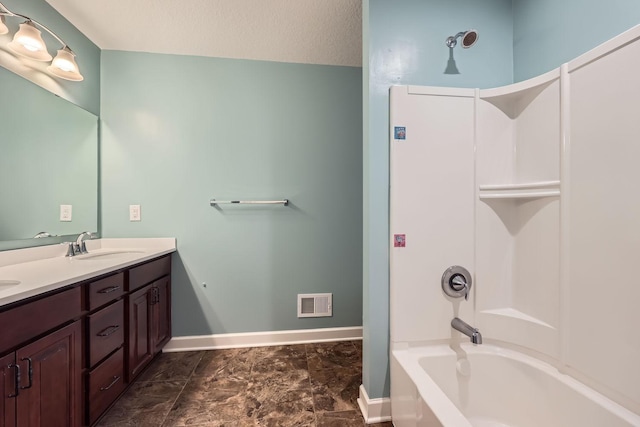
x,y
462,326
80,246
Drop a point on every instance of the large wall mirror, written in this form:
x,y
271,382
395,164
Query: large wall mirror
x,y
48,158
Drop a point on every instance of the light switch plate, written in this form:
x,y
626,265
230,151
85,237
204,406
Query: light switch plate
x,y
134,213
66,213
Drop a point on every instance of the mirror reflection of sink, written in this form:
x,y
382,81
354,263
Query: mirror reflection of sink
x,y
8,283
106,255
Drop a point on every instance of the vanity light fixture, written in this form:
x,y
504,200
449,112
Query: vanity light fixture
x,y
28,42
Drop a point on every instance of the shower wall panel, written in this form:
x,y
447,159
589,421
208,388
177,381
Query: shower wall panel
x,y
432,207
603,228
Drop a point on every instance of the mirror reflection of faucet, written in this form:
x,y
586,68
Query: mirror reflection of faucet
x,y
42,234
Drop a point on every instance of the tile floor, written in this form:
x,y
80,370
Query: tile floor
x,y
296,385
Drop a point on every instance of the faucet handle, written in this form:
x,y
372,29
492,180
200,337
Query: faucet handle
x,y
459,284
456,282
71,248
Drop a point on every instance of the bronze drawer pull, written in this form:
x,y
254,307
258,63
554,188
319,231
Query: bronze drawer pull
x,y
108,331
30,370
115,380
108,290
155,295
16,390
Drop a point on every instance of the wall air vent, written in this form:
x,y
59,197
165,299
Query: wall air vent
x,y
315,305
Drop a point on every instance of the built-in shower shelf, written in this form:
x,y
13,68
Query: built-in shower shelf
x,y
514,98
516,327
529,190
516,314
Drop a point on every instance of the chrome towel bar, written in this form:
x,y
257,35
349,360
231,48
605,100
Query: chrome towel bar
x,y
215,202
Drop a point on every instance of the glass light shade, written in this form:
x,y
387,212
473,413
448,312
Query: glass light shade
x,y
3,27
28,42
64,66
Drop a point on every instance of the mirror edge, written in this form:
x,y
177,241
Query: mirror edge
x,y
8,245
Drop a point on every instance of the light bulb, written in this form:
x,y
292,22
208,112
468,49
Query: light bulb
x,y
28,42
64,66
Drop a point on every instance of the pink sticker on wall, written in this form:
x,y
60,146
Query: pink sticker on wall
x,y
399,240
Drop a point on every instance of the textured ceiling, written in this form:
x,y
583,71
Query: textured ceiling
x,y
303,31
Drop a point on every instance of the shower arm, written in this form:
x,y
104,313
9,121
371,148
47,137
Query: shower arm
x,y
452,41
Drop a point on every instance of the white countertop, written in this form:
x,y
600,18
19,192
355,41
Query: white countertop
x,y
43,269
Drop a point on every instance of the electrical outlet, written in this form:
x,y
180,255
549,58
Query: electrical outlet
x,y
66,213
134,213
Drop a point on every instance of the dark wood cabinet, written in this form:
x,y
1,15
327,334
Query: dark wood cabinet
x,y
105,331
65,357
42,381
42,361
139,343
105,291
104,344
8,385
161,313
105,383
50,389
29,320
149,315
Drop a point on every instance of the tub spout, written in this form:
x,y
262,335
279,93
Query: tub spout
x,y
468,330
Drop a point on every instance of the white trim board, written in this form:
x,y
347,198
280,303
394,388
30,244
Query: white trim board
x,y
374,410
262,339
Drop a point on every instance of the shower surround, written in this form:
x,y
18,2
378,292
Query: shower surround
x,y
531,188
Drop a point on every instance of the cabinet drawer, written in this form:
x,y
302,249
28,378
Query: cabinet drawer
x,y
147,273
106,331
105,290
27,321
106,382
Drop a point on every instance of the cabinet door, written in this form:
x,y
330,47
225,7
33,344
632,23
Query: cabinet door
x,y
139,344
51,380
8,387
161,313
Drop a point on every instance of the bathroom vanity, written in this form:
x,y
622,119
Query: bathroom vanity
x,y
76,331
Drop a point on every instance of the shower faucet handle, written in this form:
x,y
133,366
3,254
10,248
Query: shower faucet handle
x,y
456,282
459,284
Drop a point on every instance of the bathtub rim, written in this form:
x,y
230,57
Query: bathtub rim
x,y
440,405
409,357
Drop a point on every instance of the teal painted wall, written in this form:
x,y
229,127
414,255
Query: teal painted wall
x,y
180,130
548,33
86,94
404,44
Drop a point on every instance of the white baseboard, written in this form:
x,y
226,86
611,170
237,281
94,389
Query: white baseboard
x,y
374,410
262,339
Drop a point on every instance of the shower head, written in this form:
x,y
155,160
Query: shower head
x,y
469,38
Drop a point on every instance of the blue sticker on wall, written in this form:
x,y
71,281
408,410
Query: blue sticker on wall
x,y
399,132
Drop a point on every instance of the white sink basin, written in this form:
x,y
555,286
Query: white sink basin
x,y
106,255
8,283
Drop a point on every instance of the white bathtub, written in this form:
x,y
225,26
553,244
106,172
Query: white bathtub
x,y
485,385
